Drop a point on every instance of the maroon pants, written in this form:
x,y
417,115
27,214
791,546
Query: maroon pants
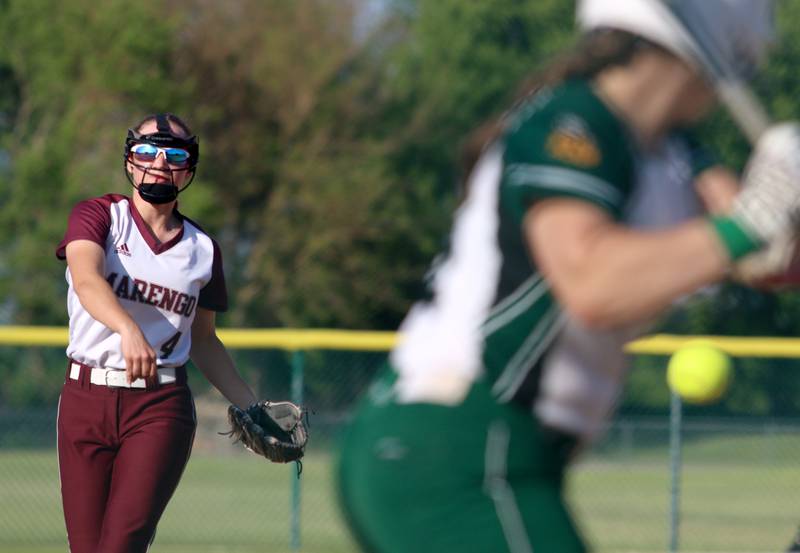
x,y
121,453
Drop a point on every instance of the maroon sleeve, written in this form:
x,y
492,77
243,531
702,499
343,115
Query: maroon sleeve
x,y
89,220
214,295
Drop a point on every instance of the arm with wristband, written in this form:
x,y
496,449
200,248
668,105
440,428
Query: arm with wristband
x,y
759,232
609,275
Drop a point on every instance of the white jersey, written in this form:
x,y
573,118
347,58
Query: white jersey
x,y
159,284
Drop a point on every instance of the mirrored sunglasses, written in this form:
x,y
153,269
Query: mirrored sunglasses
x,y
147,153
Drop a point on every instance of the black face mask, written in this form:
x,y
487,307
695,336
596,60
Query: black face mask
x,y
161,193
158,193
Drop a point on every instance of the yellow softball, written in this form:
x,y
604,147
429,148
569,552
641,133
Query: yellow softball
x,y
699,372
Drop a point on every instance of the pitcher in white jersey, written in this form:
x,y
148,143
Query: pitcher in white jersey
x,y
587,214
145,283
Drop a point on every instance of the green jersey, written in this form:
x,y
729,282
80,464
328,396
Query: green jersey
x,y
493,315
563,143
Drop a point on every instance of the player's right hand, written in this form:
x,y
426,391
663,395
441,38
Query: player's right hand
x,y
768,207
140,358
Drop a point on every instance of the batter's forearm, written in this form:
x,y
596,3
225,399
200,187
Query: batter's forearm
x,y
625,276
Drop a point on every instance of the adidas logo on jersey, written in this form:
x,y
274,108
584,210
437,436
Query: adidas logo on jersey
x,y
123,250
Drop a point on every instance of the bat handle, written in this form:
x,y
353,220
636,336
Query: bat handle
x,y
745,109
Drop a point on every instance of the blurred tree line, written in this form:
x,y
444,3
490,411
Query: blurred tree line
x,y
330,134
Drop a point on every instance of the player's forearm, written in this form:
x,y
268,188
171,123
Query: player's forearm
x,y
211,357
625,276
99,300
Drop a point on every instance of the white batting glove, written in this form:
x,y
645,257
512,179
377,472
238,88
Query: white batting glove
x,y
768,207
773,261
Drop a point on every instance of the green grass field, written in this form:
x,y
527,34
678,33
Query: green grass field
x,y
740,494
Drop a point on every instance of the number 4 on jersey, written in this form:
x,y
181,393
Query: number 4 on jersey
x,y
169,345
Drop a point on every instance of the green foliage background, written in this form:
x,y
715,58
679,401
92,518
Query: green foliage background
x,y
329,148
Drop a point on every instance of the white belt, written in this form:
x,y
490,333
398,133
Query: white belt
x,y
115,378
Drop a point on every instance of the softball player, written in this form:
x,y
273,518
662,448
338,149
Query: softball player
x,y
144,285
584,219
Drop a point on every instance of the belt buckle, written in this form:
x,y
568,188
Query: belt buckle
x,y
115,382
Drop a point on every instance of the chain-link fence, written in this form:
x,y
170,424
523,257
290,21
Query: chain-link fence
x,y
737,488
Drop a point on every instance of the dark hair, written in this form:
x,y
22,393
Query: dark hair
x,y
171,117
594,52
